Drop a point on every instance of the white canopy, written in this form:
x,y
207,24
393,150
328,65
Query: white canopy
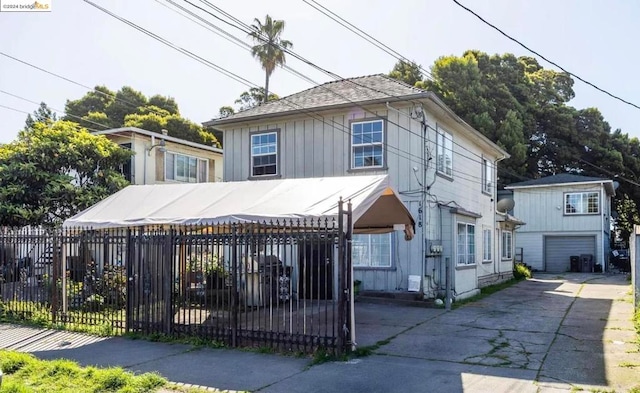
x,y
376,206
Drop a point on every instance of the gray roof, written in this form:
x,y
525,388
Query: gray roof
x,y
370,88
557,179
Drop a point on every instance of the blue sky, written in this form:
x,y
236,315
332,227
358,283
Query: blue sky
x,y
593,39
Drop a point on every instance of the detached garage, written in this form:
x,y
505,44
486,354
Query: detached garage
x,y
558,251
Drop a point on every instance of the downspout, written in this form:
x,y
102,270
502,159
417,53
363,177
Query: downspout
x,y
602,225
495,202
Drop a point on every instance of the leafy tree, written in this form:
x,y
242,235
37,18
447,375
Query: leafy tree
x,y
253,97
130,108
180,127
43,115
269,47
407,72
226,111
524,108
167,103
53,171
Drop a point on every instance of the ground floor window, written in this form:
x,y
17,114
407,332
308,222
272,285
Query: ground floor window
x,y
466,244
487,234
371,250
507,245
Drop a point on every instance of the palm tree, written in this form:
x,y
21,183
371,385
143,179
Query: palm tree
x,y
270,48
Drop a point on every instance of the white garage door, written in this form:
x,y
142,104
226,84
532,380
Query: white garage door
x,y
559,249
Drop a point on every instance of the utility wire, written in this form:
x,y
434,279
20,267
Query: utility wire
x,y
102,93
545,58
246,82
248,30
57,110
363,34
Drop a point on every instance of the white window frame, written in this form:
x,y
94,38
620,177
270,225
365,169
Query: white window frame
x,y
444,150
507,245
487,251
487,176
200,163
364,259
581,203
364,144
272,149
466,244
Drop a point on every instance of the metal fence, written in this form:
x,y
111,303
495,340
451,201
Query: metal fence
x,y
277,284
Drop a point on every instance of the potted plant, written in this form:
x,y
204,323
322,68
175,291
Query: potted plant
x,y
356,287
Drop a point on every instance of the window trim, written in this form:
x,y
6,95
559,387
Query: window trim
x,y
487,176
487,249
587,213
352,122
466,245
503,248
443,133
175,168
275,131
391,253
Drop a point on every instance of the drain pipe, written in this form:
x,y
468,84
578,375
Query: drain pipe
x,y
447,302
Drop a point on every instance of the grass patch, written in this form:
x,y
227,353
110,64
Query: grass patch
x,y
25,373
107,322
486,291
629,365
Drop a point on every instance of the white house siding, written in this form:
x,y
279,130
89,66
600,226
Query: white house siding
x,y
548,219
317,147
142,160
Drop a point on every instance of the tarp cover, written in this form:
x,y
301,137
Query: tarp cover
x,y
376,206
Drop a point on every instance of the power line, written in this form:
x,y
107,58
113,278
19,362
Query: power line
x,y
248,29
544,58
57,110
100,92
212,65
363,34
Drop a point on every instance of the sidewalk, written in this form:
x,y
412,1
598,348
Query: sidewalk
x,y
550,334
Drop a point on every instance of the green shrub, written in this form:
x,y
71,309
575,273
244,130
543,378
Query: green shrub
x,y
11,362
521,271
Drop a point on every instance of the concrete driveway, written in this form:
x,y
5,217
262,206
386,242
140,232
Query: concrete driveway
x,y
550,334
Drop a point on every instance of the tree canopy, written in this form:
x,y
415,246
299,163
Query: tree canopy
x,y
53,170
130,108
523,108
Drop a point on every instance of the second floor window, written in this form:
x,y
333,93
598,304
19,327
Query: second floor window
x,y
582,203
444,150
264,154
183,168
367,144
487,176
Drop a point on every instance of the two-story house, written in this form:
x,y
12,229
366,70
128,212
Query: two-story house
x,y
160,158
567,216
444,170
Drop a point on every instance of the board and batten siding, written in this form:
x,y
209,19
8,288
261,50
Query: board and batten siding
x,y
542,208
319,146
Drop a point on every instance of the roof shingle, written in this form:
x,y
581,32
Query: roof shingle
x,y
345,91
557,179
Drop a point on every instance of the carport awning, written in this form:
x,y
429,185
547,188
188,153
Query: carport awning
x,y
376,206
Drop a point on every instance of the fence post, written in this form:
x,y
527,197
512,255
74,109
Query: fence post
x,y
349,267
234,285
341,279
56,275
167,280
130,281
